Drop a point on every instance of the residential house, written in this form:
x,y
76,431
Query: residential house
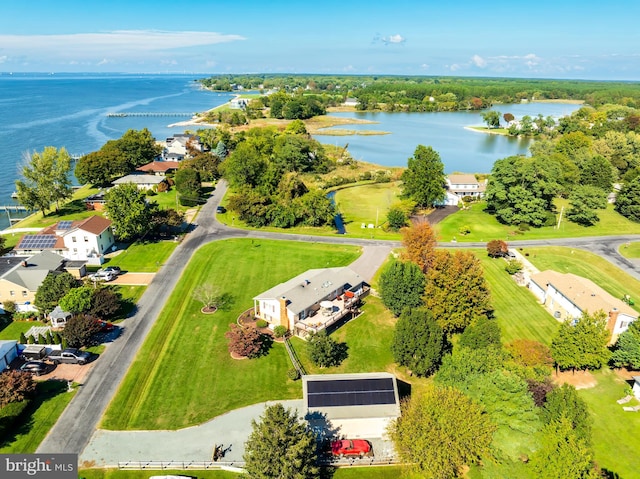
x,y
177,146
350,102
20,277
567,296
96,201
159,168
351,405
83,240
238,103
636,386
460,185
312,301
142,181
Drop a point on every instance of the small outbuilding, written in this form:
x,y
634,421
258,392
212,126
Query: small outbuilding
x,y
59,318
351,405
8,352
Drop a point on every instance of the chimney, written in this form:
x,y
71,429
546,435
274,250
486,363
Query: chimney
x,y
613,318
24,263
284,317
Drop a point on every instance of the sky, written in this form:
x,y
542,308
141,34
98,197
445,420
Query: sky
x,y
591,40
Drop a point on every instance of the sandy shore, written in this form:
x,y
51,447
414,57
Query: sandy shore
x,y
486,132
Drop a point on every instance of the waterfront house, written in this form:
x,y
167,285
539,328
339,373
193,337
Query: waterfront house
x,y
159,168
142,181
462,185
312,301
567,296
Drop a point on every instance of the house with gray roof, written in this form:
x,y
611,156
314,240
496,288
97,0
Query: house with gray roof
x,y
142,182
313,300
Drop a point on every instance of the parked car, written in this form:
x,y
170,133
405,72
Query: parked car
x,y
34,367
111,269
103,276
351,447
221,209
69,356
106,325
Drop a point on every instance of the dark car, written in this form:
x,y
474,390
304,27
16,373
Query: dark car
x,y
34,367
221,209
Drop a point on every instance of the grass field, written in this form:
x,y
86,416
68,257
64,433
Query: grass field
x,y
183,374
517,310
143,257
591,266
11,329
39,417
632,250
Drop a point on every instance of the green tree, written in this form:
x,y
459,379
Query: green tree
x,y
281,446
418,342
595,170
424,179
584,200
104,302
44,179
436,438
101,167
53,288
627,350
139,147
81,330
402,286
396,218
77,300
562,454
564,402
127,208
245,166
582,343
188,185
482,333
456,292
316,209
324,351
628,200
492,118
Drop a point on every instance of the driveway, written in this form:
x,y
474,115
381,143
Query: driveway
x,y
134,279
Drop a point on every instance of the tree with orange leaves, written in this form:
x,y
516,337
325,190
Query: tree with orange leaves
x,y
419,242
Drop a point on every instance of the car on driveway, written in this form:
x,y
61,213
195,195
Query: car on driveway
x,y
103,276
221,209
351,448
36,368
111,269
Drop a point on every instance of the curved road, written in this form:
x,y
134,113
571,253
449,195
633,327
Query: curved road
x,y
76,425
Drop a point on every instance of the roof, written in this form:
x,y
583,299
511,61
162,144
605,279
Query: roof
x,y
160,166
7,263
7,345
41,241
94,224
58,313
139,180
463,179
585,294
312,286
352,395
38,267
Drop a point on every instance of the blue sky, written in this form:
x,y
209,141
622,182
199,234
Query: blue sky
x,y
536,39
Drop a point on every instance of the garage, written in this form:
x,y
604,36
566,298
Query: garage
x,y
351,405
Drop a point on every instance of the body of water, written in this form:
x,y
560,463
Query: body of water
x,y
70,111
461,150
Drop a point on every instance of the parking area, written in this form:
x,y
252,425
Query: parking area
x,y
61,372
134,279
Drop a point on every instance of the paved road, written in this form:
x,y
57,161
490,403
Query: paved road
x,y
73,430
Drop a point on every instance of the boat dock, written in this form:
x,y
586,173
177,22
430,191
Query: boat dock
x,y
151,113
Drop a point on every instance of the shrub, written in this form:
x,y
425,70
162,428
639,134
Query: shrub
x,y
9,307
324,351
150,193
497,248
464,230
162,187
23,338
245,342
261,323
513,266
9,414
280,331
293,374
24,316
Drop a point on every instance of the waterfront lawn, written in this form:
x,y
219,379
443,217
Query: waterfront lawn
x,y
10,329
517,310
183,374
39,417
632,250
615,432
143,256
485,227
588,265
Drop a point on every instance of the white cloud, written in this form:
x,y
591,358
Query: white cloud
x,y
479,61
3,58
104,61
396,39
424,66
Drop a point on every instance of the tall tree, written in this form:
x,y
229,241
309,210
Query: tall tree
x,y
627,350
584,200
54,287
492,118
424,179
81,330
418,342
582,343
565,402
419,243
15,386
482,333
280,446
45,179
456,292
440,431
402,286
628,200
129,211
324,351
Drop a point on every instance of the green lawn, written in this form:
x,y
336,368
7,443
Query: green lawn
x,y
589,265
616,441
143,256
183,374
11,329
516,308
485,227
630,250
39,417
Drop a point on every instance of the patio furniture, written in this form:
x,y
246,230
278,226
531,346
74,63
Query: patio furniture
x,y
632,408
625,399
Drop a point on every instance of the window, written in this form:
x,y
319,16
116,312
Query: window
x,y
12,293
73,238
24,294
75,250
86,239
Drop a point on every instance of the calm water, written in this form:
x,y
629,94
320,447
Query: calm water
x,y
70,110
460,149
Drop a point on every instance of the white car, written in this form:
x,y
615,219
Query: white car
x,y
103,276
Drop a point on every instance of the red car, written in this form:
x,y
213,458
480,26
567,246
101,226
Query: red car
x,y
351,447
105,325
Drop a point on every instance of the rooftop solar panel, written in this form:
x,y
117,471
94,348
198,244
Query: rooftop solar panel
x,y
37,242
356,392
64,225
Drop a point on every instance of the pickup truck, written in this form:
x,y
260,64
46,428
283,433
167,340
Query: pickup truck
x,y
69,356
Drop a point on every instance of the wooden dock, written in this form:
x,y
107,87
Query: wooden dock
x,y
143,113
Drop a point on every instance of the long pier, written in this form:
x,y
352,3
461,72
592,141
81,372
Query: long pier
x,y
150,113
16,208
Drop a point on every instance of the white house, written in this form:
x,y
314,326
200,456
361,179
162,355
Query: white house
x,y
82,240
350,102
462,185
142,182
177,147
351,405
312,301
567,296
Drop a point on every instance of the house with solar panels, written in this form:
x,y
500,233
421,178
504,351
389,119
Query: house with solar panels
x,y
313,300
351,405
20,277
84,240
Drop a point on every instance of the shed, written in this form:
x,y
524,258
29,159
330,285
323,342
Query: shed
x,y
58,317
351,405
8,352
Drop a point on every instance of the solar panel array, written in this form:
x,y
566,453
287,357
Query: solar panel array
x,y
64,225
350,392
38,242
